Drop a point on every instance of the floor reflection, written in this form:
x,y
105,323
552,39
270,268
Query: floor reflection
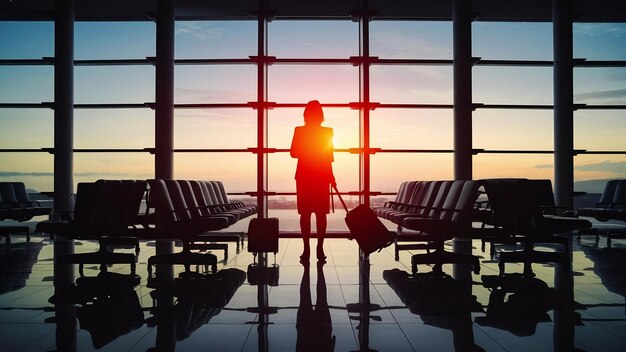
x,y
16,264
107,305
440,301
314,326
281,305
189,302
518,303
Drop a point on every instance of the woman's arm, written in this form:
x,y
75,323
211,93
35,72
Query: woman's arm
x,y
295,144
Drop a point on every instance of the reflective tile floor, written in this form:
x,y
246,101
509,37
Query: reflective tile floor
x,y
338,306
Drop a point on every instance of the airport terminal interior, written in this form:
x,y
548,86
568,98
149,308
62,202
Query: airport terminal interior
x,y
147,192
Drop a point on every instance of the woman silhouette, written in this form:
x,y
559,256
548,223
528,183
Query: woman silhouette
x,y
312,145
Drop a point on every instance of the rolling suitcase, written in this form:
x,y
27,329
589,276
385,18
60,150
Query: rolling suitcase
x,y
263,235
369,232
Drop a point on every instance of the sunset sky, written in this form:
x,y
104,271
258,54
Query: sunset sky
x,y
235,128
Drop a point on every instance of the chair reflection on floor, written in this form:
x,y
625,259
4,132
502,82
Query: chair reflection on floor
x,y
107,305
608,265
518,303
16,265
198,297
440,301
314,326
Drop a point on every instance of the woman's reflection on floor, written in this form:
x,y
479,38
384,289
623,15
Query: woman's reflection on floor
x,y
314,326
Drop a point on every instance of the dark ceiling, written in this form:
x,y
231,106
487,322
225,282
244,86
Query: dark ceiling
x,y
485,10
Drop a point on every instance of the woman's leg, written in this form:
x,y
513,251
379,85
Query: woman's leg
x,y
320,225
305,228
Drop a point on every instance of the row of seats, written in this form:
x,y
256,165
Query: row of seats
x,y
612,204
511,211
190,211
437,211
517,216
108,211
15,204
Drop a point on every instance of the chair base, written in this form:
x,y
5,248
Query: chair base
x,y
440,257
528,257
185,258
103,258
7,231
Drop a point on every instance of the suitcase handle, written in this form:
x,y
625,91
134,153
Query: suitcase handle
x,y
341,199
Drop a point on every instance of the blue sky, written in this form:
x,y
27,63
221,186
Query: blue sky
x,y
234,128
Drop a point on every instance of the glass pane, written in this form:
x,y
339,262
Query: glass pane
x,y
34,169
236,170
600,41
391,169
411,128
26,128
300,84
512,85
599,167
513,129
26,40
284,208
599,130
114,84
119,128
215,39
600,85
215,128
26,84
313,39
411,84
514,165
215,84
410,40
281,172
114,40
89,167
512,41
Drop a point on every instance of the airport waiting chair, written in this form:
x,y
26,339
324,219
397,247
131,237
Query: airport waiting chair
x,y
178,223
16,205
105,211
515,212
453,218
611,206
602,210
192,190
183,197
544,196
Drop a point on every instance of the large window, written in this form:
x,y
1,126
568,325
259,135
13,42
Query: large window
x,y
598,128
216,120
25,130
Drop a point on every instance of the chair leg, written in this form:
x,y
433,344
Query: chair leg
x,y
186,258
440,257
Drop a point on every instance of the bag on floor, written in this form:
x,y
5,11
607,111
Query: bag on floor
x,y
263,235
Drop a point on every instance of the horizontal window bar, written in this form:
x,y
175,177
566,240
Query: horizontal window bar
x,y
272,105
353,60
284,150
